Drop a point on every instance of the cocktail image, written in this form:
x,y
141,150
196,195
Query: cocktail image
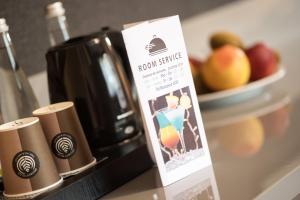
x,y
168,134
176,127
171,121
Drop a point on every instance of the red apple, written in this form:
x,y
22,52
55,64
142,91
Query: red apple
x,y
196,68
196,65
263,61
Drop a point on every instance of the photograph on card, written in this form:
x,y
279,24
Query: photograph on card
x,y
176,127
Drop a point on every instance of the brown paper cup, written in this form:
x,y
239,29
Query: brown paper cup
x,y
27,163
66,138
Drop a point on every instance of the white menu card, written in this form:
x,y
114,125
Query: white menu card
x,y
168,101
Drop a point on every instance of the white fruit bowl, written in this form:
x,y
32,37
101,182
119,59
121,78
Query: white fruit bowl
x,y
242,93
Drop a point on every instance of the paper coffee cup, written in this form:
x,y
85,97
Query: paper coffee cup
x,y
66,138
27,164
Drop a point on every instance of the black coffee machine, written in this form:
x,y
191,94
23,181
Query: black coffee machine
x,y
93,72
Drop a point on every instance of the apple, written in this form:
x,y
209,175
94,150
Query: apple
x,y
222,38
196,65
263,61
227,67
196,68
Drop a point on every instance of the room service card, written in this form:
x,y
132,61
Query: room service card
x,y
167,96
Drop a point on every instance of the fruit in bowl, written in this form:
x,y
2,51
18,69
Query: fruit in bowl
x,y
222,38
196,69
231,64
263,61
196,65
227,67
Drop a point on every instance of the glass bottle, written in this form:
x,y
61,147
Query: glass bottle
x,y
56,23
17,99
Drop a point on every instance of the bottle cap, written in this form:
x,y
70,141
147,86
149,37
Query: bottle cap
x,y
3,25
55,9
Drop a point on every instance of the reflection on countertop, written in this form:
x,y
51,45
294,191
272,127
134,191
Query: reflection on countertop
x,y
250,154
251,150
200,185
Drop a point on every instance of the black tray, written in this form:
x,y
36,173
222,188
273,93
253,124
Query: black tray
x,y
114,168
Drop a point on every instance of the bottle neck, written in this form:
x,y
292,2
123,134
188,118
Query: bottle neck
x,y
58,30
7,52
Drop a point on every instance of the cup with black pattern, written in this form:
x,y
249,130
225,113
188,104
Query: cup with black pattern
x,y
27,164
66,138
